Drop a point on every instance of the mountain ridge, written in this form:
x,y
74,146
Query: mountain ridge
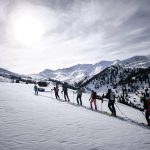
x,y
79,72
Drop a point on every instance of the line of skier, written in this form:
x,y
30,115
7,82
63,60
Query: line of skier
x,y
65,91
110,95
93,97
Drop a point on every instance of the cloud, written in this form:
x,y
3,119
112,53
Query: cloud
x,y
75,32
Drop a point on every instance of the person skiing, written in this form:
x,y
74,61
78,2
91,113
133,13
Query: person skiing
x,y
65,90
147,110
79,95
93,100
142,97
36,89
147,92
56,90
111,96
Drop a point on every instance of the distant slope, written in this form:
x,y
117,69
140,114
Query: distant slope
x,y
4,79
6,73
82,72
8,76
75,73
117,76
136,62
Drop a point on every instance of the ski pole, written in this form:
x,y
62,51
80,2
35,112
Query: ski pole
x,y
61,95
120,110
143,113
51,93
73,96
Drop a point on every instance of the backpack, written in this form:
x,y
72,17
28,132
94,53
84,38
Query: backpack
x,y
35,88
112,96
148,103
94,95
56,89
79,92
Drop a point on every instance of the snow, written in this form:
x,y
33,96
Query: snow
x,y
30,122
137,62
37,77
3,79
79,72
75,73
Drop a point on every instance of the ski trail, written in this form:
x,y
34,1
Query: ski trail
x,y
125,119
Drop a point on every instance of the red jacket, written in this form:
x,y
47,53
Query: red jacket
x,y
147,104
93,95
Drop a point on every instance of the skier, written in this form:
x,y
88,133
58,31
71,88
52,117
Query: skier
x,y
56,90
36,89
147,93
142,97
65,90
147,110
111,96
93,100
79,95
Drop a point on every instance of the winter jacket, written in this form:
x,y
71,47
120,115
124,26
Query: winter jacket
x,y
35,88
65,89
147,104
56,89
93,95
110,96
79,92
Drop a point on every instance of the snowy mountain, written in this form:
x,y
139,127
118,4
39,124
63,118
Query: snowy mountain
x,y
136,62
5,75
4,79
5,72
83,72
76,73
116,75
124,81
80,73
8,76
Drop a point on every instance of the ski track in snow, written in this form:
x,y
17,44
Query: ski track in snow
x,y
30,122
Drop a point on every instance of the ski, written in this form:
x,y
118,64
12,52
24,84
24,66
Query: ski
x,y
126,119
72,103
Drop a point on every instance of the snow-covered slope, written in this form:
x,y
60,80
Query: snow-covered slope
x,y
136,62
83,72
6,72
30,122
117,75
76,73
8,76
4,79
37,77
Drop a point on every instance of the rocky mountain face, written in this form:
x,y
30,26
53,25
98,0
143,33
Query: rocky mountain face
x,y
75,73
112,73
83,72
117,77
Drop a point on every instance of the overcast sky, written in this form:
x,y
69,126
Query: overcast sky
x,y
40,34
